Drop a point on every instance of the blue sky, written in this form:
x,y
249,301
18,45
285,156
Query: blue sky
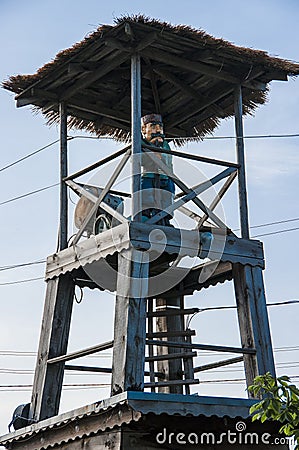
x,y
32,33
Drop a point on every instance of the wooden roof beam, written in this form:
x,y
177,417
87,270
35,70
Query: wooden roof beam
x,y
102,111
176,119
115,60
153,81
190,91
120,56
36,95
187,65
198,67
117,44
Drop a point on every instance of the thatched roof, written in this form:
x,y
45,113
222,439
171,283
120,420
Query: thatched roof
x,y
187,75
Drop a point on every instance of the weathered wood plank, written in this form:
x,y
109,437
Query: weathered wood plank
x,y
167,327
159,163
150,328
166,356
214,348
185,155
245,322
217,364
130,322
260,320
188,366
170,332
253,320
192,195
87,368
98,163
188,90
88,251
102,195
172,312
93,198
194,66
171,383
218,197
54,336
187,243
112,61
81,353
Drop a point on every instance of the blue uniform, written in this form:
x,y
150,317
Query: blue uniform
x,y
157,188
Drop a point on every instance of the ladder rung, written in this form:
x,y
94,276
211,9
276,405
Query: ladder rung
x,y
183,355
165,334
214,348
170,383
81,353
172,312
88,368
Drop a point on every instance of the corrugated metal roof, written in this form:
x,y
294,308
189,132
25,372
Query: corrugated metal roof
x,y
123,409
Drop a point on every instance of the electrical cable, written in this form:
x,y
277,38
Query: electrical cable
x,y
234,137
29,193
276,232
16,266
21,281
29,155
47,146
270,223
109,137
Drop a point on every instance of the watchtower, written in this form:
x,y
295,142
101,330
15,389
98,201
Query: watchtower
x,y
105,84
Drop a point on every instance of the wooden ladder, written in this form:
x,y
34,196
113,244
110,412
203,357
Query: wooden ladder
x,y
170,367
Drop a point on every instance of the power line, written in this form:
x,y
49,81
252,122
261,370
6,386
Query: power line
x,y
270,223
109,354
29,193
45,147
15,266
238,368
74,386
29,155
21,281
213,308
276,232
268,136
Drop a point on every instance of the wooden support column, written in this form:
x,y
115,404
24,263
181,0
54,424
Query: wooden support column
x,y
130,322
136,135
171,368
54,336
244,222
253,320
63,225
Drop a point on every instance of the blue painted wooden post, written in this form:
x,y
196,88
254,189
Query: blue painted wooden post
x,y
130,322
136,135
244,222
132,278
63,225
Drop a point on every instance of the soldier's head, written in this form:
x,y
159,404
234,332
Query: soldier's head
x,y
152,128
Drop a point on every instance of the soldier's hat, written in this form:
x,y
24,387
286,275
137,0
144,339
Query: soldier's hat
x,y
151,118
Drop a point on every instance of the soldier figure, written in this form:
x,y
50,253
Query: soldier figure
x,y
157,188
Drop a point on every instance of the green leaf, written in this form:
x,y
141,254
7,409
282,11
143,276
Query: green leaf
x,y
255,408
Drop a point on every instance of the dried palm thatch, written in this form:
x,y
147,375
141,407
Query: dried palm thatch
x,y
187,75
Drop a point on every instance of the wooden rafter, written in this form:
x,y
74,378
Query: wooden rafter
x,y
112,62
153,81
186,88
